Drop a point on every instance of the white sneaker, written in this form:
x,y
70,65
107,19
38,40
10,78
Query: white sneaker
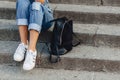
x,y
20,52
30,60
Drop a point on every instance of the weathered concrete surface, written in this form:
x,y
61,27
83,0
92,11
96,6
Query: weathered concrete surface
x,y
90,34
111,2
8,72
16,73
89,2
88,58
84,2
79,13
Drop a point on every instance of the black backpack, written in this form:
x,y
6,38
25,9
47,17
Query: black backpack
x,y
62,39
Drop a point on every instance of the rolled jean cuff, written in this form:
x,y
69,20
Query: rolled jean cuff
x,y
35,27
22,22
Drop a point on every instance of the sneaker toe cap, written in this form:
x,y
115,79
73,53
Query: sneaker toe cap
x,y
27,67
18,58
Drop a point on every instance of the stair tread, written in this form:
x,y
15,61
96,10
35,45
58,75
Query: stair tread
x,y
92,29
73,7
7,72
81,51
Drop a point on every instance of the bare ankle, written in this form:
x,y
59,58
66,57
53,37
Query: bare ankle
x,y
32,49
24,42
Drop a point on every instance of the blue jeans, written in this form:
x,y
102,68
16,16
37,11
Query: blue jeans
x,y
34,14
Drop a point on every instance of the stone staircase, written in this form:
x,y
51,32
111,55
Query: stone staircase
x,y
96,23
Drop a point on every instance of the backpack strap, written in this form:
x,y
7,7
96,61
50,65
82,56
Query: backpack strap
x,y
55,59
52,58
58,19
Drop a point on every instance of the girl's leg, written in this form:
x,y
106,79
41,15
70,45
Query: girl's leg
x,y
36,22
36,18
31,54
40,21
22,16
33,40
23,31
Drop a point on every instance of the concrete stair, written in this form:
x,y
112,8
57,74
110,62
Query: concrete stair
x,y
87,58
96,23
90,34
7,71
79,13
84,2
89,2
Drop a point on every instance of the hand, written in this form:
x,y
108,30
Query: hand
x,y
42,1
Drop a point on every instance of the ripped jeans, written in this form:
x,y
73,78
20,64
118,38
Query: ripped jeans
x,y
35,15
